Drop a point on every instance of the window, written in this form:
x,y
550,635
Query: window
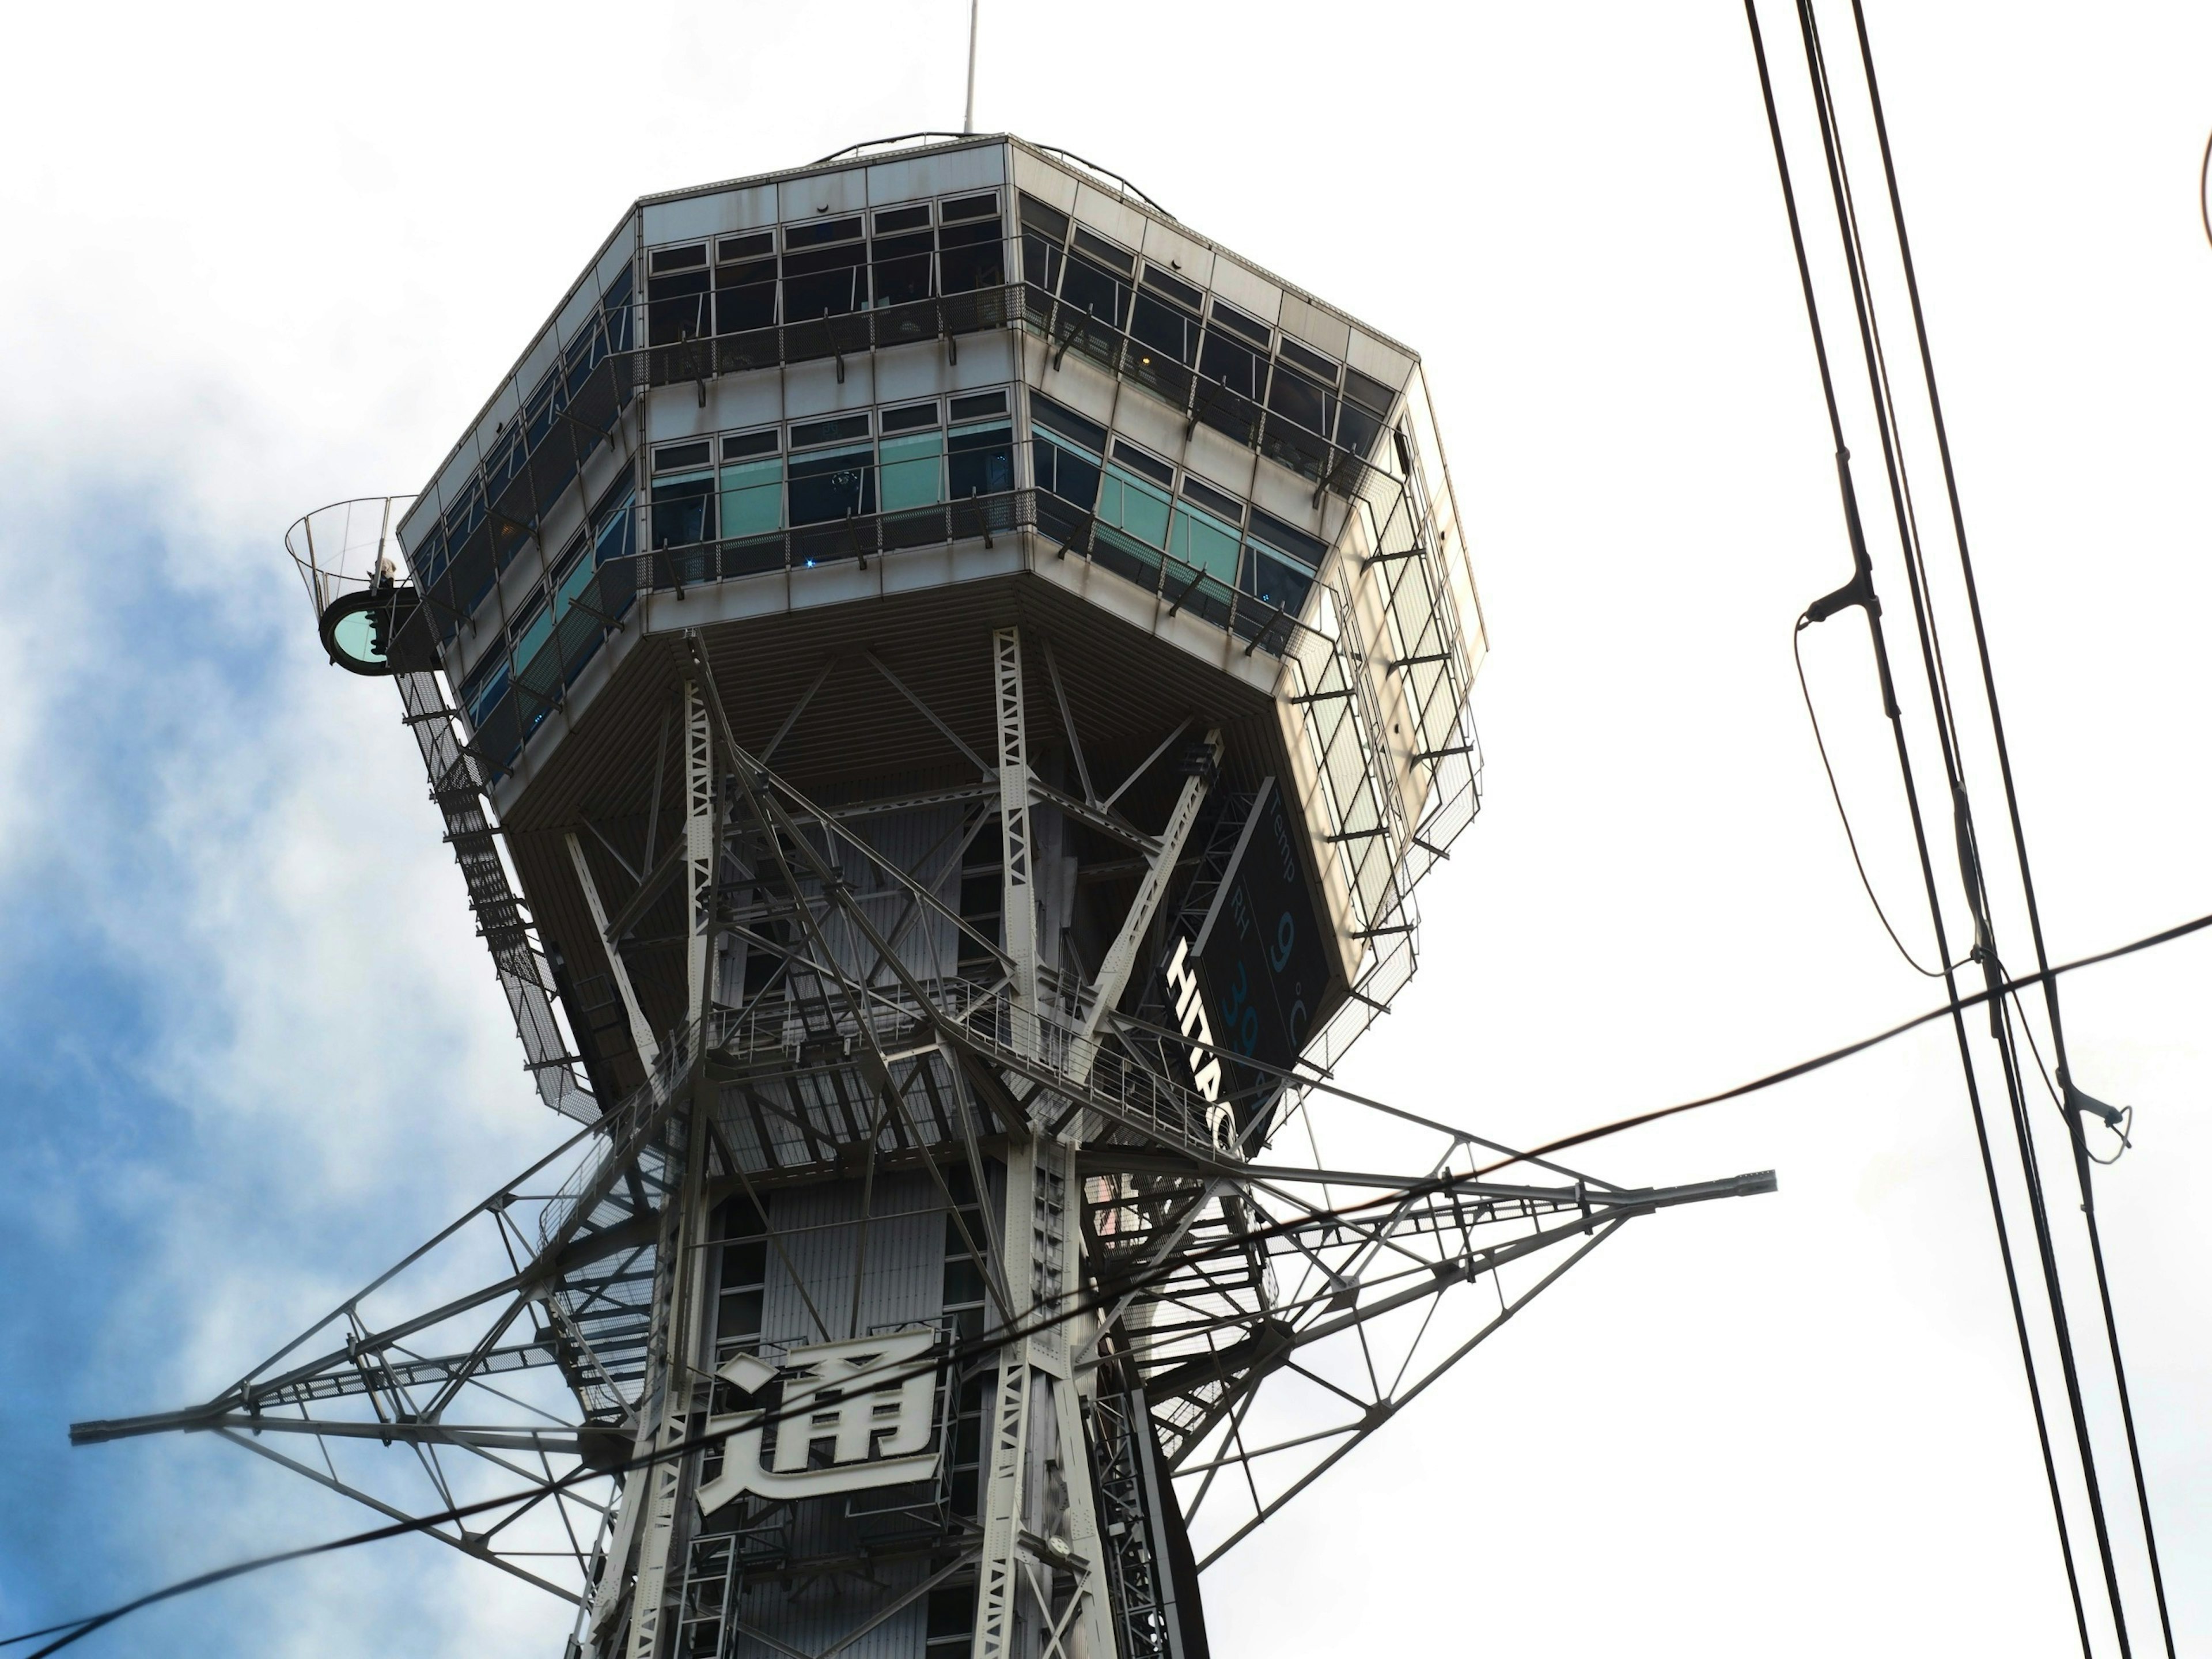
x,y
678,457
1296,398
1043,411
817,233
913,470
752,485
974,407
910,419
970,255
533,629
901,267
683,510
485,685
1228,317
1218,502
1068,473
1321,368
744,284
835,430
1128,503
676,295
1185,295
891,220
980,459
1204,541
824,282
832,484
1160,327
1044,232
1090,289
985,206
1151,465
1279,561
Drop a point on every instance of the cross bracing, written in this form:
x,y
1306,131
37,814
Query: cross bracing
x,y
1239,1317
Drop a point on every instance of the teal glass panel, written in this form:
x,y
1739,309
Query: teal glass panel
x,y
912,471
572,584
752,499
1202,540
1134,506
533,635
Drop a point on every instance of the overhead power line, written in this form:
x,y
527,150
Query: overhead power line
x,y
68,1631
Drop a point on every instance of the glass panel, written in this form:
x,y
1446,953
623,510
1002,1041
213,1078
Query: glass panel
x,y
834,485
1200,539
1090,290
1129,503
1275,581
981,461
1066,473
676,307
684,511
912,471
902,269
752,499
536,626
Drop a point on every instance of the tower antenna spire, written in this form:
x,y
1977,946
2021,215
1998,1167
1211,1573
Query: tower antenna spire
x,y
974,19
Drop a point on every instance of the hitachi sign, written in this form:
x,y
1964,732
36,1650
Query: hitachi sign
x,y
1204,1065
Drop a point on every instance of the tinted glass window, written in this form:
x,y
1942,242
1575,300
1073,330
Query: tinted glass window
x,y
909,418
971,207
971,256
827,432
1043,411
980,460
676,307
1164,328
1228,317
1129,456
1235,366
836,484
752,498
1183,293
902,269
1066,472
1299,398
683,512
912,471
1321,368
826,282
1090,289
744,296
891,219
815,232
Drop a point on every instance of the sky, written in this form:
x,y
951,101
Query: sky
x,y
267,257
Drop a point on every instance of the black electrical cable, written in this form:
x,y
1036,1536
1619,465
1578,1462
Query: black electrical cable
x,y
1804,1068
1970,868
1860,593
2012,798
989,1342
1796,653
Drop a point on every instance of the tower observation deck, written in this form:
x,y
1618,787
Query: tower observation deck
x,y
943,684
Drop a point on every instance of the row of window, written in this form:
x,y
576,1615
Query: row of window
x,y
774,478
1171,322
1127,490
824,268
556,630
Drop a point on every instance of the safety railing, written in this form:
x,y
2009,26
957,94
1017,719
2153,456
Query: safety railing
x,y
1197,396
1072,529
851,334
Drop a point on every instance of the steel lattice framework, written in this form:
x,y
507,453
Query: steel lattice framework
x,y
933,1273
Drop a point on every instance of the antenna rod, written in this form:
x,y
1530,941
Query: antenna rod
x,y
974,16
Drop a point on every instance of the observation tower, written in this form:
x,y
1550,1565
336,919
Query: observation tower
x,y
943,684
